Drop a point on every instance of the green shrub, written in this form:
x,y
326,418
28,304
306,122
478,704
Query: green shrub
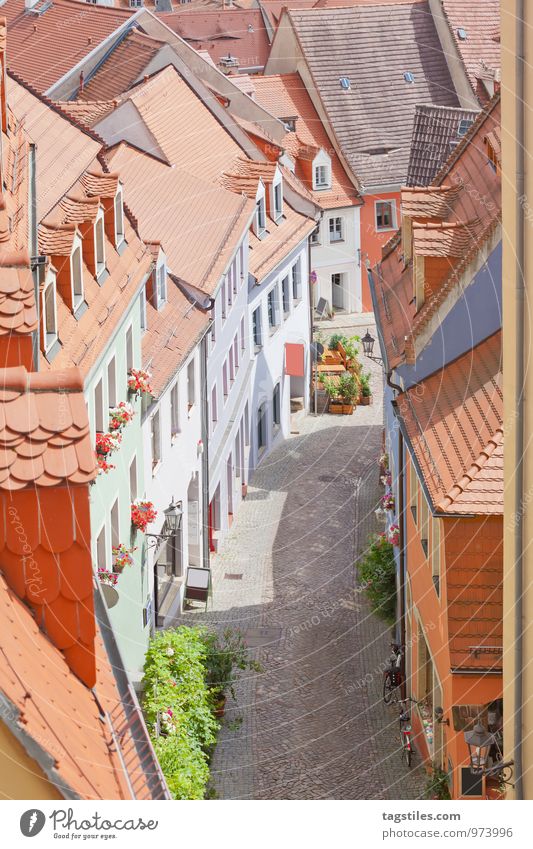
x,y
366,390
438,784
334,340
377,571
178,707
226,656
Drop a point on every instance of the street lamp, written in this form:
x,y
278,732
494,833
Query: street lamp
x,y
173,516
480,742
368,347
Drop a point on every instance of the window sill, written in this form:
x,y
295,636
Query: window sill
x,y
121,245
257,348
273,330
335,241
385,229
80,310
101,274
52,350
297,301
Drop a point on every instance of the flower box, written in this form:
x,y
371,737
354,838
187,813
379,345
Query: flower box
x,y
393,534
122,557
139,382
388,502
120,416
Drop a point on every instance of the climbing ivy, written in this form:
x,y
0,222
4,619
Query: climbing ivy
x,y
377,573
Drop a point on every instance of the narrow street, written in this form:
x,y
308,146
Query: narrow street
x,y
312,725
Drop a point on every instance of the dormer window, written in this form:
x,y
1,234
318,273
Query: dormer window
x,y
161,284
277,190
99,243
119,218
321,171
260,212
76,276
49,312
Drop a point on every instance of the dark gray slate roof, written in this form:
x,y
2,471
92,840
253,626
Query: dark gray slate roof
x,y
373,46
436,131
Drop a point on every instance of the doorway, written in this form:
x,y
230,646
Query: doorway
x,y
337,290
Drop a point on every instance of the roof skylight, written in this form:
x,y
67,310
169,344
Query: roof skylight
x,y
462,34
345,83
409,77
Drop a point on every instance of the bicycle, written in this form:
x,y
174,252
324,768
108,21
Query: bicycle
x,y
406,732
392,676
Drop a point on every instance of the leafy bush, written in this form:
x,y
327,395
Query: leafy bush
x,y
178,707
438,785
366,390
349,387
334,340
226,653
377,571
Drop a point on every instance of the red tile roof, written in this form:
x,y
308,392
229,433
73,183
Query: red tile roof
x,y
17,294
285,96
42,48
223,31
480,50
122,69
453,422
471,203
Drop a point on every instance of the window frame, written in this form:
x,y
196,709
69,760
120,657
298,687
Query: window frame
x,y
338,228
276,406
76,275
112,391
99,243
174,401
296,280
155,440
261,430
274,319
118,206
384,203
321,184
257,328
191,381
50,285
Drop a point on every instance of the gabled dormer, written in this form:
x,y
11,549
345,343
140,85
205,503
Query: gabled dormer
x,y
64,245
276,196
157,293
321,175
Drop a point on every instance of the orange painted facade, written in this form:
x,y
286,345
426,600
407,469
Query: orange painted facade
x,y
443,625
372,239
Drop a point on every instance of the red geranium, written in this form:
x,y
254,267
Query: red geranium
x,y
142,514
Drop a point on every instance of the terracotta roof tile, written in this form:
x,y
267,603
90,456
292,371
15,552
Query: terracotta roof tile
x,y
432,202
435,134
124,66
98,184
481,22
87,113
224,31
17,294
56,239
453,420
42,48
373,46
285,96
171,334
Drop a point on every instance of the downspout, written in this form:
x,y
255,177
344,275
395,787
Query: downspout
x,y
35,263
402,523
312,370
519,377
205,454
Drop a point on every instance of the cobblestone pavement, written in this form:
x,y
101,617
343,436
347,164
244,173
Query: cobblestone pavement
x,y
312,725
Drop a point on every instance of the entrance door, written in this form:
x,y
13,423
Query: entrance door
x,y
337,291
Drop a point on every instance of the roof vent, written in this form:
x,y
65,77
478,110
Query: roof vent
x,y
250,28
462,34
345,83
408,77
229,61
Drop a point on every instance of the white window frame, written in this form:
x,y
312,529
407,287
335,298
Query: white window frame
x,y
214,406
76,274
259,225
119,215
112,393
191,384
276,423
142,309
296,281
99,409
49,336
273,309
99,243
257,328
129,349
286,295
155,440
134,482
336,232
391,203
174,398
321,172
277,207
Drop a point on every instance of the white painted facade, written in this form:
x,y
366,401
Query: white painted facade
x,y
173,456
278,314
336,259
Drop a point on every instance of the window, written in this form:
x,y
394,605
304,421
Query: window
x,y
276,405
100,249
435,554
413,492
49,314
77,279
223,297
337,279
464,126
262,427
115,525
314,238
101,550
236,352
99,407
229,287
133,480
273,309
257,328
286,292
321,177
296,274
213,327
155,440
225,383
112,383
424,523
260,220
191,387
129,349
243,338
174,410
335,230
231,364
235,275
214,411
278,201
119,218
384,215
161,284
142,308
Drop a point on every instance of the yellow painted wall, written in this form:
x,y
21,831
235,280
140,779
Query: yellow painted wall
x,y
20,776
512,504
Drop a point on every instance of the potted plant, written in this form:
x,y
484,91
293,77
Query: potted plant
x,y
142,514
120,416
122,557
366,393
227,655
388,501
393,534
106,444
331,387
108,580
139,382
349,388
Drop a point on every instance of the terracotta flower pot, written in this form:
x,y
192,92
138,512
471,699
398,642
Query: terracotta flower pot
x,y
347,409
336,407
365,400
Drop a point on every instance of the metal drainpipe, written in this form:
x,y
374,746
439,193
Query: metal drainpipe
x,y
519,377
205,455
36,267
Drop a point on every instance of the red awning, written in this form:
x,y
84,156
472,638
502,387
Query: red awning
x,y
294,360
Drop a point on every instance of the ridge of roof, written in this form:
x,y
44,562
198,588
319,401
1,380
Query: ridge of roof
x,y
465,141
